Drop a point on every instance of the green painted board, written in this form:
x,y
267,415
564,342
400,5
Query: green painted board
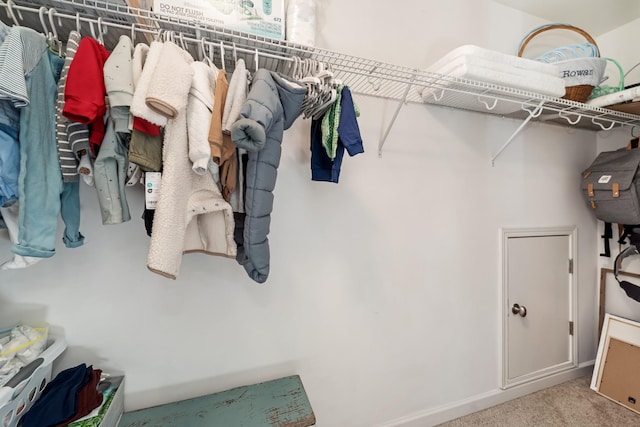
x,y
278,403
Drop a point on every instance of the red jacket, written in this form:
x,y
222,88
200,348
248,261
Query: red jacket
x,y
84,93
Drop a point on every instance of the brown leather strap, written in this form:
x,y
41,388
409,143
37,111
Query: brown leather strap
x,y
615,189
590,189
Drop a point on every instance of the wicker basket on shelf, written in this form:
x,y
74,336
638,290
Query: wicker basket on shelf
x,y
579,65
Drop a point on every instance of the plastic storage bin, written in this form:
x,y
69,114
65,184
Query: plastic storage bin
x,y
16,401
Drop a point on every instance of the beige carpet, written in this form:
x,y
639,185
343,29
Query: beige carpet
x,y
571,403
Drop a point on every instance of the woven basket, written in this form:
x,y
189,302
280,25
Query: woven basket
x,y
582,70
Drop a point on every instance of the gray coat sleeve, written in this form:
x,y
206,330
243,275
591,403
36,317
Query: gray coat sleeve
x,y
257,116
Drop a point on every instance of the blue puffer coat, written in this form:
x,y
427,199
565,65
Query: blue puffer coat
x,y
272,105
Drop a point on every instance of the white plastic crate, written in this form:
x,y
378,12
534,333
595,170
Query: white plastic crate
x,y
16,401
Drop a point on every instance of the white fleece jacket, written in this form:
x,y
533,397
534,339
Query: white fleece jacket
x,y
191,215
138,59
236,96
199,109
139,106
165,93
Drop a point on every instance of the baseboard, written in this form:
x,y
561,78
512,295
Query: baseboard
x,y
444,413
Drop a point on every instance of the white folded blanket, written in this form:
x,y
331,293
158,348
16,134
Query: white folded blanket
x,y
487,66
474,53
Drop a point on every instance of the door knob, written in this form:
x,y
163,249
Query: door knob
x,y
519,309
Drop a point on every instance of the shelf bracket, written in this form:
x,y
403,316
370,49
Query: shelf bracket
x,y
611,125
568,119
532,113
395,115
436,97
486,103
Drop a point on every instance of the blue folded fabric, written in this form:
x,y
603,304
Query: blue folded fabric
x,y
59,399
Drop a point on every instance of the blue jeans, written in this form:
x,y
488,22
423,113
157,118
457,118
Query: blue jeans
x,y
43,197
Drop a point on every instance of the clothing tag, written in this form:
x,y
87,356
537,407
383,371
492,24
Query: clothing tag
x,y
152,189
604,179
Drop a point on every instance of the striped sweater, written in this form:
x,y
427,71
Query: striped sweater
x,y
68,160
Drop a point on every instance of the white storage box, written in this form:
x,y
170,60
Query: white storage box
x,y
260,17
16,401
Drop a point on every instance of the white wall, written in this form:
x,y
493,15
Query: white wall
x,y
615,44
384,293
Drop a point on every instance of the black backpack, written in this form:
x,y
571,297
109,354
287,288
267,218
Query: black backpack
x,y
632,291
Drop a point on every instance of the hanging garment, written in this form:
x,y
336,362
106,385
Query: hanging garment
x,y
78,136
223,151
118,81
199,110
9,153
9,145
139,107
41,192
111,165
110,174
145,145
273,104
236,96
237,197
330,122
339,124
66,156
190,215
84,92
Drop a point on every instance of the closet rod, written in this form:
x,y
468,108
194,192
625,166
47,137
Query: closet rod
x,y
137,28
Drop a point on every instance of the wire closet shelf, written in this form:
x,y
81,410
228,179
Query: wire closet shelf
x,y
363,76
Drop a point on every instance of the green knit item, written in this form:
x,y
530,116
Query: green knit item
x,y
95,421
330,122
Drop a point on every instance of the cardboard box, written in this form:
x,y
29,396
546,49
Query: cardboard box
x,y
260,17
